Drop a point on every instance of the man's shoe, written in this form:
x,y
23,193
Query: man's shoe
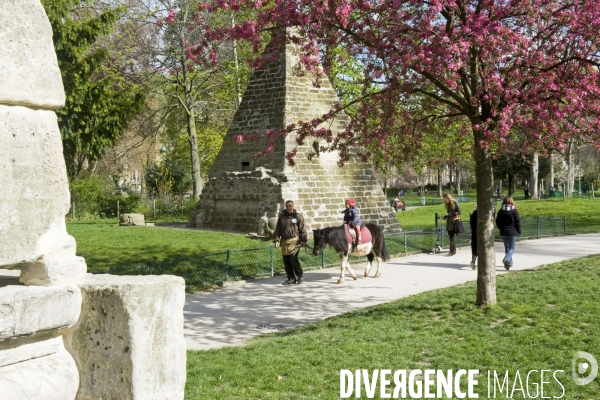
x,y
506,265
300,280
472,265
290,282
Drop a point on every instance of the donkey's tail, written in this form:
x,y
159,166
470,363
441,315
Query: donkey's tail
x,y
384,254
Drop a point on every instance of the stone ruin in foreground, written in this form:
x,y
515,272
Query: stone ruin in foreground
x,y
241,191
66,334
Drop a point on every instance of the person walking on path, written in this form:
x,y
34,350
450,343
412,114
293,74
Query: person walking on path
x,y
526,192
473,223
352,218
452,212
509,223
290,233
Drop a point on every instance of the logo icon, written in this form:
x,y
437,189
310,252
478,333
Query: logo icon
x,y
580,368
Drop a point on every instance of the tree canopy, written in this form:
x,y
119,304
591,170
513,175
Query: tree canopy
x,y
99,101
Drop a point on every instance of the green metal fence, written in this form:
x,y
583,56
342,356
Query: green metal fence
x,y
208,269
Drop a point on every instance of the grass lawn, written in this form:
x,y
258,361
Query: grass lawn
x,y
545,316
583,215
105,244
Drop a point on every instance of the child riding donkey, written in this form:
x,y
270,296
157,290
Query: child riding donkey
x,y
352,218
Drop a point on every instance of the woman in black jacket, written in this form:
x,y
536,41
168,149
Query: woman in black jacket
x,y
473,223
509,223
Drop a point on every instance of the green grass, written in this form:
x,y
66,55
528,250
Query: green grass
x,y
583,215
544,316
105,244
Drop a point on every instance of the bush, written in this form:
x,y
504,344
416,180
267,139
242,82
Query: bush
x,y
131,204
86,192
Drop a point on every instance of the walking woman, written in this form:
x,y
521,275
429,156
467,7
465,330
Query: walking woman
x,y
452,212
509,223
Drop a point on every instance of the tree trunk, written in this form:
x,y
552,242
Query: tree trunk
x,y
458,179
570,170
190,106
499,189
486,264
193,141
533,179
439,179
450,178
511,184
551,170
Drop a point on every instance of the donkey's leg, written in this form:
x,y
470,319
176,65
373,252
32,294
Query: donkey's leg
x,y
369,264
351,271
378,273
344,261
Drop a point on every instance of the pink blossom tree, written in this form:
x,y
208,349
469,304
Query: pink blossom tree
x,y
491,64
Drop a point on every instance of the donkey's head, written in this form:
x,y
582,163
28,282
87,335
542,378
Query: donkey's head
x,y
319,237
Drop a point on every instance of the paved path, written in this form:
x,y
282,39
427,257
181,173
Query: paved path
x,y
230,316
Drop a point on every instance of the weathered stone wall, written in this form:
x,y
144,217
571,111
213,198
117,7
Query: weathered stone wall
x,y
239,199
275,98
261,109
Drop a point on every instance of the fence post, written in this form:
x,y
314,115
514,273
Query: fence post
x,y
118,211
538,227
323,259
73,211
405,245
227,264
564,225
154,208
272,260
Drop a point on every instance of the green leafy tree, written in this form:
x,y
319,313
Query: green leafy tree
x,y
100,102
167,177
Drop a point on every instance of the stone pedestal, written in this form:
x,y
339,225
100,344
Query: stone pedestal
x,y
129,342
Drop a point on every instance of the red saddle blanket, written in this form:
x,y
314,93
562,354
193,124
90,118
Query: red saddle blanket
x,y
365,234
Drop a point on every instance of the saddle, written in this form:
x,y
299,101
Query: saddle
x,y
365,234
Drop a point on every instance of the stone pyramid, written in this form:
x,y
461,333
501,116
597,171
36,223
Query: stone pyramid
x,y
241,191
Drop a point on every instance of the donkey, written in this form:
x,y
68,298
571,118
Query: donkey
x,y
336,238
